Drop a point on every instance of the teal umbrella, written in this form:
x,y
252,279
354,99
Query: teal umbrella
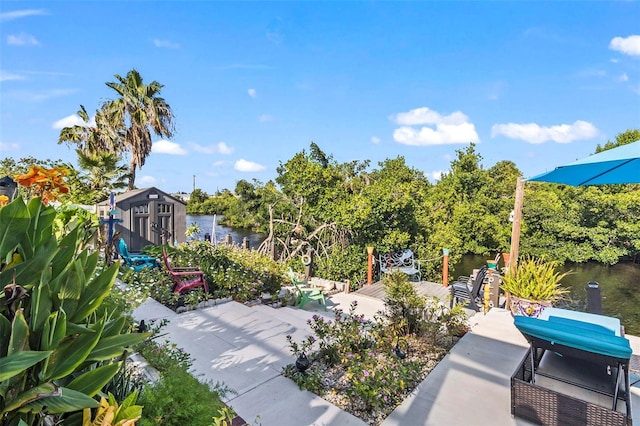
x,y
614,166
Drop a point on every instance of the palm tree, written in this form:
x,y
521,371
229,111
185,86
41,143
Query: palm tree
x,y
92,136
101,173
134,114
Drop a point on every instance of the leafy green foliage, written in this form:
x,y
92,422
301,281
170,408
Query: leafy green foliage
x,y
58,348
534,279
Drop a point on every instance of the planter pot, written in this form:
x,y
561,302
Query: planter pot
x,y
529,308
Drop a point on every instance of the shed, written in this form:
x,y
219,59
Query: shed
x,y
148,216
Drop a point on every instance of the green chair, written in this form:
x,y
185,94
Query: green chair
x,y
306,293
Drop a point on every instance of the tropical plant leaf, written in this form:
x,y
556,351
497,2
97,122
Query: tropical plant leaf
x,y
67,401
31,395
92,381
18,362
5,335
112,347
94,293
72,352
19,340
14,219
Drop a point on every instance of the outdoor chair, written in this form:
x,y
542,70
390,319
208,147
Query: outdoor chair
x,y
563,336
306,293
185,278
469,290
137,262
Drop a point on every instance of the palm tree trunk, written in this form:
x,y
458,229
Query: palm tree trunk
x,y
132,175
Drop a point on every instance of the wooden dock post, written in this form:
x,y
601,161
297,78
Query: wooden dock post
x,y
445,267
369,265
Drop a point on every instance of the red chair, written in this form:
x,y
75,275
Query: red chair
x,y
185,278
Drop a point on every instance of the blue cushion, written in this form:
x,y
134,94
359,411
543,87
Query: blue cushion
x,y
576,334
587,326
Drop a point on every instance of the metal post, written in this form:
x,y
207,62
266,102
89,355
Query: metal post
x,y
594,298
112,206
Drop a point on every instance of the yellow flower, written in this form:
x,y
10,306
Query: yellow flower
x,y
4,200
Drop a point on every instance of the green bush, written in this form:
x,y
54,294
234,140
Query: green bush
x,y
179,399
403,306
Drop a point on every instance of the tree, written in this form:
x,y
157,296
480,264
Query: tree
x,y
101,174
621,139
132,116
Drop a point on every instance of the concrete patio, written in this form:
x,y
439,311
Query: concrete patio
x,y
245,348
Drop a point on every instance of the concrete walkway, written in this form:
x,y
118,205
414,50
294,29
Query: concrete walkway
x,y
246,348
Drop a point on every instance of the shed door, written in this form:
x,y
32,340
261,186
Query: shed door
x,y
141,226
165,220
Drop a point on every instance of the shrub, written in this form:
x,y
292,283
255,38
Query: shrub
x,y
179,399
403,306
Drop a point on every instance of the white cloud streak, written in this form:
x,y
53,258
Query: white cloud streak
x,y
252,93
225,149
167,147
375,140
147,180
536,134
17,14
166,44
7,76
22,39
626,45
5,146
454,128
243,165
265,118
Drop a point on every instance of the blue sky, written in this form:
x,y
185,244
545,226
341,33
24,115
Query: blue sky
x,y
251,84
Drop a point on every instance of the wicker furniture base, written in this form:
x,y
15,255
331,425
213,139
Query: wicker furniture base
x,y
544,406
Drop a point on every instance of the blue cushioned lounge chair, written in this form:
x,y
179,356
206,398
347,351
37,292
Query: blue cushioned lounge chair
x,y
589,337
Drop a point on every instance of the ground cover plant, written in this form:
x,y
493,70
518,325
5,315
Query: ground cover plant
x,y
369,367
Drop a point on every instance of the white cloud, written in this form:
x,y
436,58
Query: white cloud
x,y
147,180
22,39
219,163
7,76
627,45
167,147
252,93
225,149
166,44
73,120
264,118
220,147
614,60
449,129
534,133
624,77
243,165
5,146
425,115
17,14
443,134
436,175
209,149
376,140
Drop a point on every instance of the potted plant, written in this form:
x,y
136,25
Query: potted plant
x,y
533,285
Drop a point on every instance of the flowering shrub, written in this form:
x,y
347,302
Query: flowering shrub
x,y
233,271
368,367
